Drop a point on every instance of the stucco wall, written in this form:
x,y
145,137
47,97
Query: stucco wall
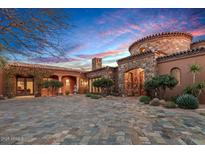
x,y
166,43
186,76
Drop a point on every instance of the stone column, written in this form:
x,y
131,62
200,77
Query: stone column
x,y
77,83
60,89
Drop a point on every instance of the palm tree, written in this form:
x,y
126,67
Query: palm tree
x,y
194,69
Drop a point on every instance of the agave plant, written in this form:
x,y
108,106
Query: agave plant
x,y
187,101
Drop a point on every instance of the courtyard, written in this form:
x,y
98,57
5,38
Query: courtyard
x,y
81,120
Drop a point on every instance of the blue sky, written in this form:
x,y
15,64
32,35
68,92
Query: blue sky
x,y
107,33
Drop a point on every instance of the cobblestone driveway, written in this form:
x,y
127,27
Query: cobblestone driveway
x,y
81,120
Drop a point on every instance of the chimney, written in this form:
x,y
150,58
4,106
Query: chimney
x,y
96,63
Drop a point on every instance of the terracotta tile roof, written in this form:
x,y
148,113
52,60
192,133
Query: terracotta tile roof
x,y
182,54
43,66
136,55
149,37
199,41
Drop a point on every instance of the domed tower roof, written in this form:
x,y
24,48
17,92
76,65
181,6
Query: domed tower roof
x,y
161,41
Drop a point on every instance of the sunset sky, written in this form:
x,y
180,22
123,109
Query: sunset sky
x,y
107,33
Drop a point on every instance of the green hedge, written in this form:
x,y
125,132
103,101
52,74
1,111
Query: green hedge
x,y
93,96
145,99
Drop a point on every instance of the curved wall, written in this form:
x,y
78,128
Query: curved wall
x,y
167,43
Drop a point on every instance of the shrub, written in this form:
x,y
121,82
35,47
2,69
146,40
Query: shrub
x,y
67,92
159,84
145,99
195,89
3,62
93,96
170,104
104,83
174,98
52,85
187,101
88,95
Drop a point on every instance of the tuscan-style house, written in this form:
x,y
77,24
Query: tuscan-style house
x,y
163,53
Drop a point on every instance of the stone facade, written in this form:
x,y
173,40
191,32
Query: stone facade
x,y
96,63
145,61
106,72
166,43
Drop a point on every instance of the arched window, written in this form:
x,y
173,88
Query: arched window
x,y
176,72
142,49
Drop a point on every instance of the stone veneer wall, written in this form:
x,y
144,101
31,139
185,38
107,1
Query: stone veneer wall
x,y
165,42
107,72
146,62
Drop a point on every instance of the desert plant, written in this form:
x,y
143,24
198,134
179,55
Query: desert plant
x,y
104,84
3,62
195,89
187,101
170,104
145,99
88,95
152,87
194,69
174,98
52,85
159,84
94,96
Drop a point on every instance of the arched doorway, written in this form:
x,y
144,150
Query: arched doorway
x,y
69,82
134,81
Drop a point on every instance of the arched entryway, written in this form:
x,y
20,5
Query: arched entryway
x,y
133,82
69,83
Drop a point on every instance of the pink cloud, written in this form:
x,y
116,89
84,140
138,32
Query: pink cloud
x,y
198,32
102,55
136,27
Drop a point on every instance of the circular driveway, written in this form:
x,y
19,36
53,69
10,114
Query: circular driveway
x,y
111,120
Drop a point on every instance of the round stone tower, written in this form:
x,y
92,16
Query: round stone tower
x,y
166,43
198,44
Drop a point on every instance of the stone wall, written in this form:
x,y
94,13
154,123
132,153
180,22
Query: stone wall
x,y
1,83
167,43
145,61
106,72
